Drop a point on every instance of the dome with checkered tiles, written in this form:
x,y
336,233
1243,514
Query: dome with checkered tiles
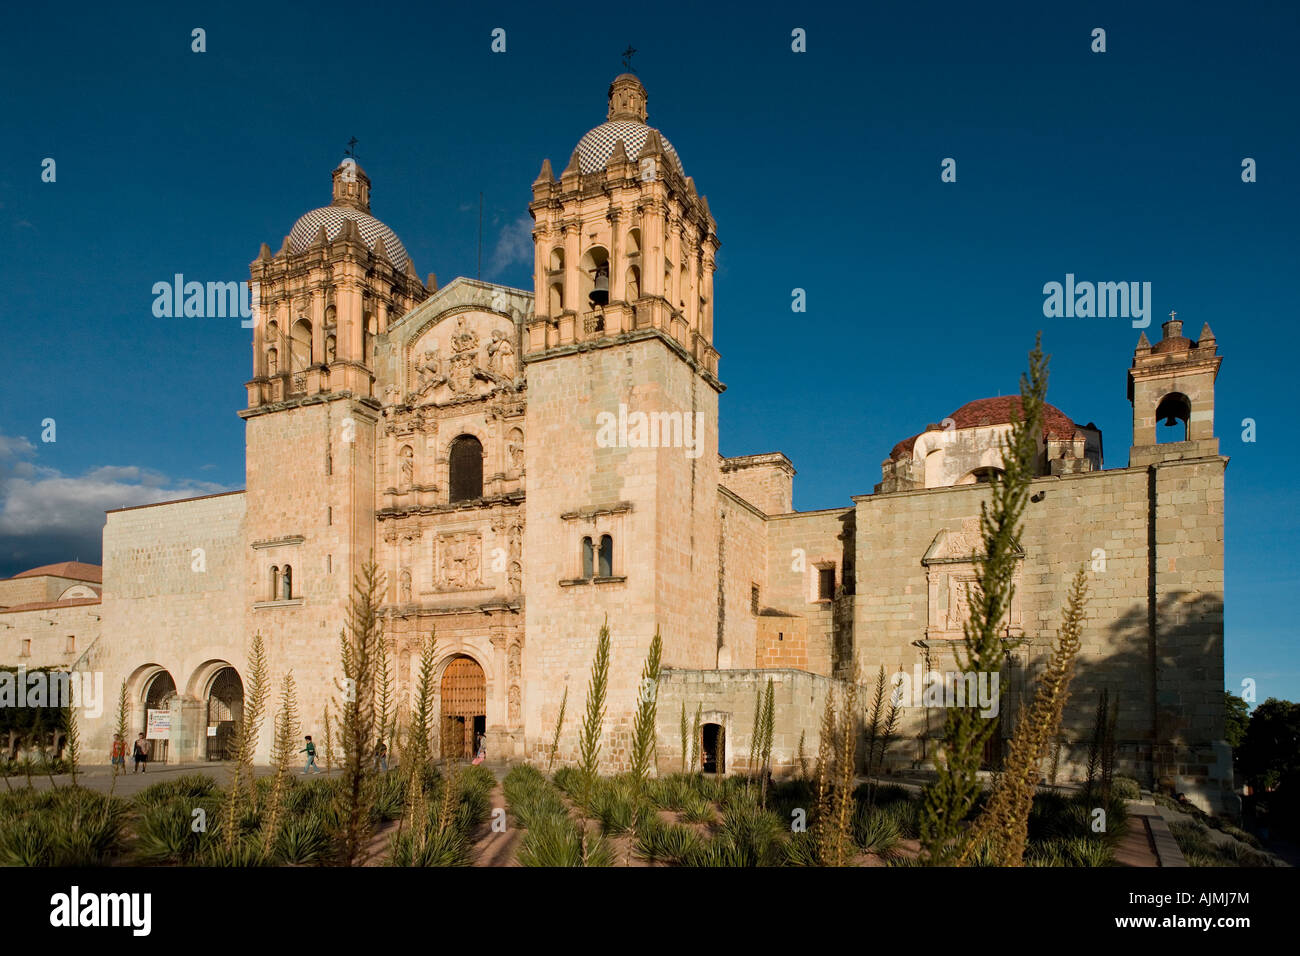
x,y
332,218
626,121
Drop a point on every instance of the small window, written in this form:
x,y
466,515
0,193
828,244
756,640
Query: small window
x,y
275,583
606,566
329,564
27,647
72,644
825,584
780,635
287,583
588,558
753,599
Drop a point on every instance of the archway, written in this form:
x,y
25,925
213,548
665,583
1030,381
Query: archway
x,y
464,707
1172,417
225,713
714,759
159,689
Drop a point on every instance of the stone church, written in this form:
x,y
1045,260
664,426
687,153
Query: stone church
x,y
462,436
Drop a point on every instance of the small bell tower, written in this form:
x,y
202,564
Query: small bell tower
x,y
1171,384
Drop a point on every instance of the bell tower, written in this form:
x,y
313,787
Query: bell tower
x,y
340,279
622,451
1171,384
623,241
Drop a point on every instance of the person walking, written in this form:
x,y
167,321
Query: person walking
x,y
310,751
140,753
118,753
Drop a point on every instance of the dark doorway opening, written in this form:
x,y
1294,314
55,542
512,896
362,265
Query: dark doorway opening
x,y
225,714
714,749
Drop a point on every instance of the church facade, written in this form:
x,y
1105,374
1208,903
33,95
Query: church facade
x,y
524,465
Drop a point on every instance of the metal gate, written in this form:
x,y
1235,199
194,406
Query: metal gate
x,y
464,697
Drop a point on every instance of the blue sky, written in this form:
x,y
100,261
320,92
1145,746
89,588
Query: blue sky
x,y
822,169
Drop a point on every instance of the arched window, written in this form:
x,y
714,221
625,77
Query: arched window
x,y
557,259
555,302
605,566
287,584
301,345
272,362
465,463
275,582
633,284
1172,415
588,558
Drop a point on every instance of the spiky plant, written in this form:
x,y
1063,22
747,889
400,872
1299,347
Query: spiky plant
x,y
329,740
592,721
121,735
416,750
246,743
686,731
283,750
643,728
755,739
695,740
802,758
767,731
846,765
383,693
559,726
881,724
950,798
359,654
72,745
824,773
1004,823
1098,742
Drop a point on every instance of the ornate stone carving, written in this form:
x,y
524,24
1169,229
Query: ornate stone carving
x,y
501,356
513,658
429,370
460,560
404,587
515,701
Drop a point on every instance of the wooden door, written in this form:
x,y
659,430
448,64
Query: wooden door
x,y
464,697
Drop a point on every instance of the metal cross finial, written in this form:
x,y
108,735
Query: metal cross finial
x,y
627,57
352,148
1171,316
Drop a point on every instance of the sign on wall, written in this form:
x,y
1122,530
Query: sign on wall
x,y
158,725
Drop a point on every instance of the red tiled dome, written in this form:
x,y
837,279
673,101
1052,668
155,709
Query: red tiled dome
x,y
994,411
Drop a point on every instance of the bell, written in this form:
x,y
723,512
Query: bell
x,y
600,291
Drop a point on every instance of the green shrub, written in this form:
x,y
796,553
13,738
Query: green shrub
x,y
1126,788
303,840
875,830
553,841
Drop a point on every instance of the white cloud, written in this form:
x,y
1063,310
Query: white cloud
x,y
46,516
514,245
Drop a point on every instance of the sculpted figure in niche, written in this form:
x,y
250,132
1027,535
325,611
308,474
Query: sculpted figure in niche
x,y
408,466
405,587
514,705
515,577
501,355
513,661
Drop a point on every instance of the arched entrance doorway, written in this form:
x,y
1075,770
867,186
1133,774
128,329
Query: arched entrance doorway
x,y
158,692
464,707
225,713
